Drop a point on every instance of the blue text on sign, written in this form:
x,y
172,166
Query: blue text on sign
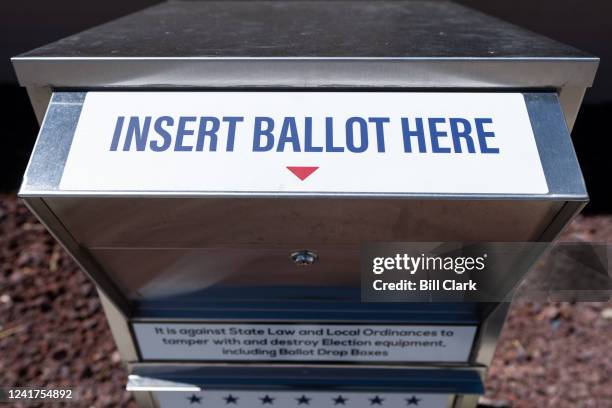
x,y
359,134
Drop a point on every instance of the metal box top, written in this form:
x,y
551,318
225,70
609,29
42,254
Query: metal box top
x,y
409,44
310,29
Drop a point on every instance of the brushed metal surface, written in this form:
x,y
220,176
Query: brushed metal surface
x,y
107,222
341,29
169,247
310,44
153,245
146,247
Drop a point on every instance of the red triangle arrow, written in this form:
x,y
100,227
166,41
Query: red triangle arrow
x,y
302,172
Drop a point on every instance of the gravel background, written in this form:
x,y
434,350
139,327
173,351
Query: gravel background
x,y
53,332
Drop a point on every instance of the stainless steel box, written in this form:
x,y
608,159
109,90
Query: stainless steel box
x,y
223,258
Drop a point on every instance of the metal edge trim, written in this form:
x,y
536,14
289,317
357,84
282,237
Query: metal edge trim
x,y
131,71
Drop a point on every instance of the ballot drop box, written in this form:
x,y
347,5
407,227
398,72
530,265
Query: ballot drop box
x,y
216,168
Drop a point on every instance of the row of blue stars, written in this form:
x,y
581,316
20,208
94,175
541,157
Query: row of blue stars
x,y
303,400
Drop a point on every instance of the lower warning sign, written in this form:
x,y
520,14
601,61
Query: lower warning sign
x,y
306,342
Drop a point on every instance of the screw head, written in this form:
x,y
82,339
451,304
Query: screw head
x,y
304,257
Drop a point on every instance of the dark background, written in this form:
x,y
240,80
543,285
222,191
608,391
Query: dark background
x,y
585,24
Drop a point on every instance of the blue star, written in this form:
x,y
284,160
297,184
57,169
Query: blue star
x,y
376,400
303,400
340,400
230,399
194,399
267,400
413,400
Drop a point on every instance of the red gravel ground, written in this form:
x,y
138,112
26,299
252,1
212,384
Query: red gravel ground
x,y
53,332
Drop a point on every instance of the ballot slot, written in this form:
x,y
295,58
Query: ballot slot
x,y
304,142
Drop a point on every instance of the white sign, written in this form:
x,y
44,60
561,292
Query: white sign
x,y
272,398
304,342
304,142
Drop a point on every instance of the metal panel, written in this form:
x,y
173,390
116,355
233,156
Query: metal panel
x,y
190,222
464,383
258,254
460,381
120,329
46,165
143,244
563,173
260,29
410,44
